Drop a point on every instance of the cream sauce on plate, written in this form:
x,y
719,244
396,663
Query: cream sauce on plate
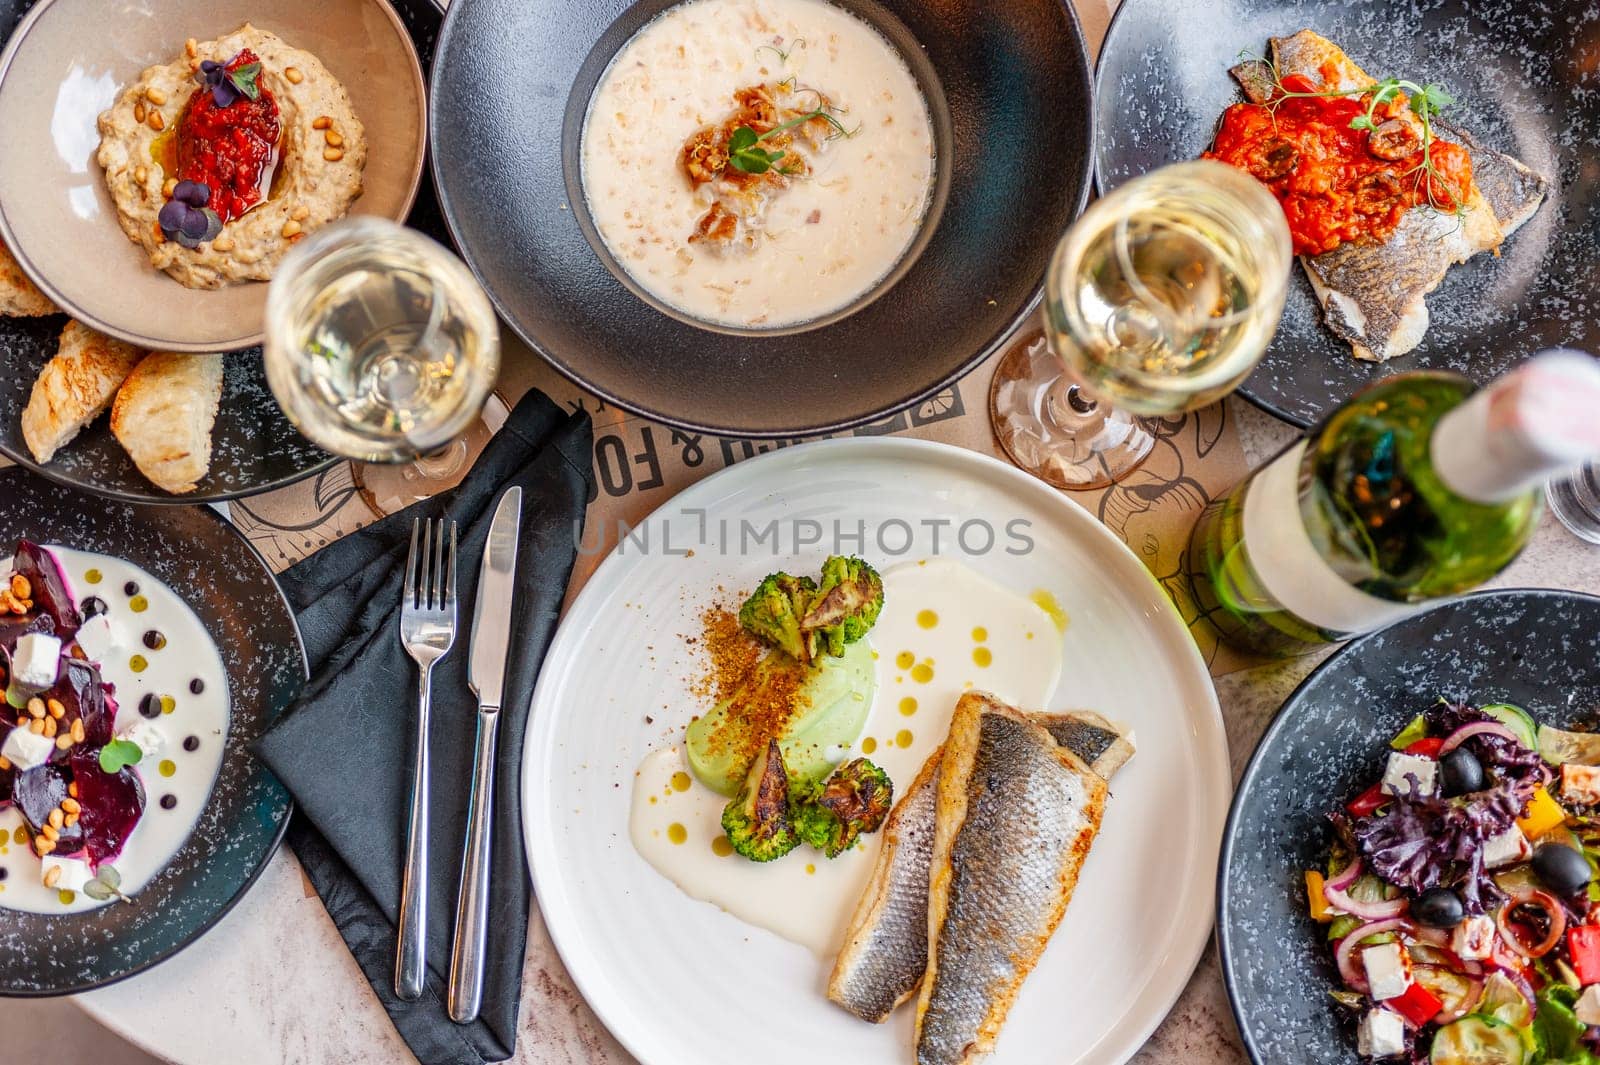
x,y
945,628
188,776
827,239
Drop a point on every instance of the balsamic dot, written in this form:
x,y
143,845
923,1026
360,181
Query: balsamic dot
x,y
4,872
150,705
197,686
93,605
131,588
168,801
191,743
154,640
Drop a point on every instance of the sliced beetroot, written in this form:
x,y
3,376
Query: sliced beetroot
x,y
85,696
52,594
111,803
40,790
8,775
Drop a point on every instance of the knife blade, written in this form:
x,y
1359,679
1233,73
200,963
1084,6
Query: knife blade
x,y
491,614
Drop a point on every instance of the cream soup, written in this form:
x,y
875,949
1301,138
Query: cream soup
x,y
835,213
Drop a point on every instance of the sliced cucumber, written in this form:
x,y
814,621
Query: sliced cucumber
x,y
1478,1040
1504,1002
1517,720
1560,748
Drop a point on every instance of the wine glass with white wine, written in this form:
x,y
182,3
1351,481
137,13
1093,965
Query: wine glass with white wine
x,y
1160,299
382,347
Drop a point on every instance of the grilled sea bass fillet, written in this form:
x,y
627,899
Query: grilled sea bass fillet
x,y
1016,815
1372,295
886,949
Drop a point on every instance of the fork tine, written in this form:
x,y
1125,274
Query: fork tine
x,y
438,567
408,597
425,594
450,574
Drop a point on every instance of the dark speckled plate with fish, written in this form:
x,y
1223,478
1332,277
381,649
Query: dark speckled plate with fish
x,y
255,449
1535,649
214,570
1527,84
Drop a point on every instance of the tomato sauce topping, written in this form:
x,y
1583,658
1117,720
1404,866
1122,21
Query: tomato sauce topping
x,y
1337,184
232,150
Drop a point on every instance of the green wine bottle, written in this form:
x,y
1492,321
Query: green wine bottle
x,y
1418,488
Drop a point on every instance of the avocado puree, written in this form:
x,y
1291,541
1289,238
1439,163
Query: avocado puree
x,y
814,711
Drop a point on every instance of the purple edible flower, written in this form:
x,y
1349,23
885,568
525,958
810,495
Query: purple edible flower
x,y
227,86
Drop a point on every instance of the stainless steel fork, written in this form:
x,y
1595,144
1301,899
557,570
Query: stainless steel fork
x,y
428,631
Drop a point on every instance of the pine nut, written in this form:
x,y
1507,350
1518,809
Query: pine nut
x,y
334,138
42,846
56,817
70,805
5,763
155,96
333,155
50,833
290,228
168,186
36,706
223,244
52,876
72,789
72,819
20,587
301,213
157,123
191,47
36,727
294,75
63,741
139,113
49,724
140,175
77,737
55,708
321,122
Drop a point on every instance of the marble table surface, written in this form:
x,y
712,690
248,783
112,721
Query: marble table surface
x,y
273,983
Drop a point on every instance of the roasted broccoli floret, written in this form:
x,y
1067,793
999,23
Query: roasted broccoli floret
x,y
757,822
854,800
844,607
772,613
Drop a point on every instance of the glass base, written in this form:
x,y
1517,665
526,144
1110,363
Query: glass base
x,y
1575,501
391,487
1050,428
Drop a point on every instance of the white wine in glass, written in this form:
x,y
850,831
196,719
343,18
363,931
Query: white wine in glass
x,y
1160,299
380,344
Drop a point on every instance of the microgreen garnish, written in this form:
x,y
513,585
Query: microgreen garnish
x,y
119,753
782,52
1424,101
746,154
186,218
106,885
228,85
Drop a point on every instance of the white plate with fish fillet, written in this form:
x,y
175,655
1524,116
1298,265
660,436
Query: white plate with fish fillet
x,y
973,553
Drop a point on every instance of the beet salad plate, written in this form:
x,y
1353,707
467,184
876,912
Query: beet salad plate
x,y
1538,651
142,650
1524,84
761,218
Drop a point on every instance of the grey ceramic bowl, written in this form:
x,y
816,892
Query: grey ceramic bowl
x,y
1527,85
222,578
1536,649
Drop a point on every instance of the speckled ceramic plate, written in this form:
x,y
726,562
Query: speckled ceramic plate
x,y
996,76
1527,85
256,449
1537,649
656,964
68,60
222,578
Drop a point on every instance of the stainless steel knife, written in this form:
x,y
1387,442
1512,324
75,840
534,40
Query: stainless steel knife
x,y
486,673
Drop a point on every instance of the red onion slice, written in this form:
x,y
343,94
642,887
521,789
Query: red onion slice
x,y
1344,956
1477,728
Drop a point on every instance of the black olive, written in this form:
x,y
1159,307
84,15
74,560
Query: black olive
x,y
93,605
1463,773
1564,870
1439,908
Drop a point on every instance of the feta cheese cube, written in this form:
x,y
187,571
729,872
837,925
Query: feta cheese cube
x,y
1382,1035
1473,938
1588,1005
1388,970
74,872
1402,765
149,738
25,749
1508,848
99,638
36,660
1581,783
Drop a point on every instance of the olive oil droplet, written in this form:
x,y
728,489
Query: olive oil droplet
x,y
138,604
680,781
922,672
927,619
908,706
869,745
982,656
980,634
677,833
903,738
93,576
167,767
905,659
137,663
721,847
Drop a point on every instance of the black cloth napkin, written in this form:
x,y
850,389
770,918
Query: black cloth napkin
x,y
344,750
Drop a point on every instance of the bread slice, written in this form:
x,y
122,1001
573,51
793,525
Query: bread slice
x,y
19,297
74,387
164,414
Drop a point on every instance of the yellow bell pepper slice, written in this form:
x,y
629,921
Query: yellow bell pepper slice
x,y
1542,815
1320,910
